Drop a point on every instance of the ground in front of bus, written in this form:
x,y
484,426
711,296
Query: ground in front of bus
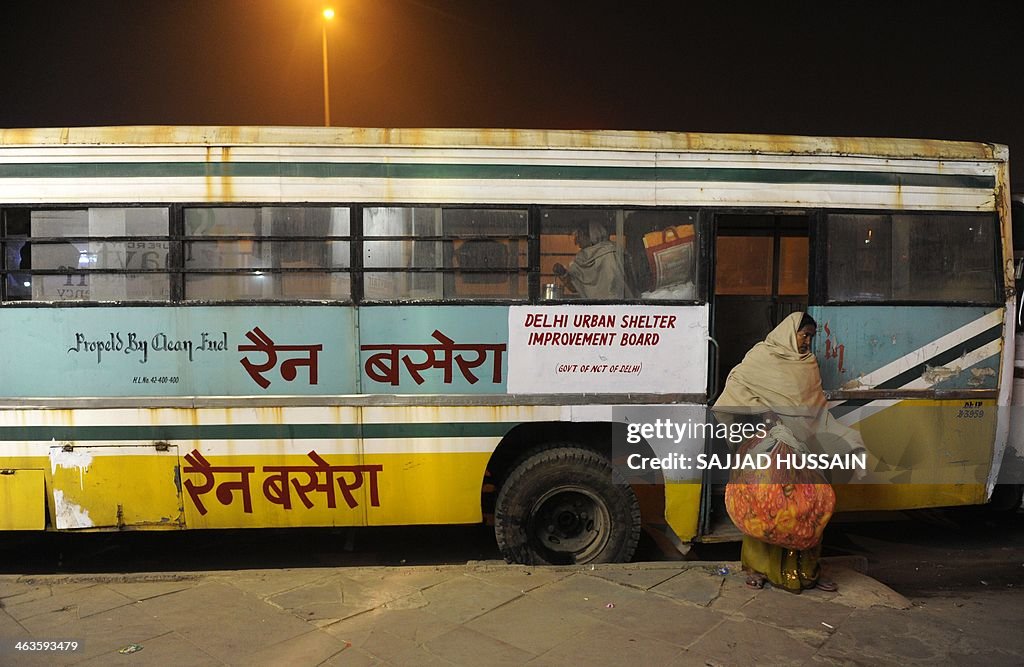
x,y
322,597
489,613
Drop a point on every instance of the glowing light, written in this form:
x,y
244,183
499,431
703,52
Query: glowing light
x,y
328,15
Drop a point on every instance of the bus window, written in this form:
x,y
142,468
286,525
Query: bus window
x,y
267,253
437,254
95,254
582,256
17,255
661,252
918,257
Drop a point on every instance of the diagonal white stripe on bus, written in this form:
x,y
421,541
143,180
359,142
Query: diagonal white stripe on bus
x,y
938,346
957,365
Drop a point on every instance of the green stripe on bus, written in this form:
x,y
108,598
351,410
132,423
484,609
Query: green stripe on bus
x,y
59,434
486,172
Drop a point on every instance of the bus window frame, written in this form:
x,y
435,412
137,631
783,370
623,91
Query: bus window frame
x,y
359,238
703,247
821,261
705,229
178,227
6,271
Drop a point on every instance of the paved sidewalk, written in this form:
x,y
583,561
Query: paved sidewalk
x,y
685,613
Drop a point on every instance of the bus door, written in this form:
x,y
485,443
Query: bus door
x,y
760,277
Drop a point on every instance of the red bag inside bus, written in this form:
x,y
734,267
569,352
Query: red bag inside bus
x,y
670,254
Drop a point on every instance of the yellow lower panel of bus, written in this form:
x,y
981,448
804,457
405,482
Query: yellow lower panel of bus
x,y
22,500
114,487
924,454
333,490
682,508
851,497
930,443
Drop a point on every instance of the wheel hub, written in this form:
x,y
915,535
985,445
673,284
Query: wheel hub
x,y
571,521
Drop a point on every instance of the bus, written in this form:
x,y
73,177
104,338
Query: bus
x,y
253,327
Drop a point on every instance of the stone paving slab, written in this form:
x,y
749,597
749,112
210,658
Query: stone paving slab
x,y
743,642
532,625
521,578
463,646
352,657
223,621
270,582
645,580
332,599
311,648
608,645
586,594
406,578
461,599
806,616
103,634
693,586
167,649
859,590
138,591
403,626
734,594
12,589
81,602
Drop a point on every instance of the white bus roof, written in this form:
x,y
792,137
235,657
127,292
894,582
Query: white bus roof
x,y
502,138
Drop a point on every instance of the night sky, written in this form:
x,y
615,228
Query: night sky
x,y
893,68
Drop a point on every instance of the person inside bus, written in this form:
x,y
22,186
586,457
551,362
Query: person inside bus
x,y
779,379
597,271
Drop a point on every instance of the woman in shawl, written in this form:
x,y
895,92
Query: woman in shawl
x,y
779,379
597,271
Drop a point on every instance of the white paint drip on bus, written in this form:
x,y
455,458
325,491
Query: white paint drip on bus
x,y
68,514
73,459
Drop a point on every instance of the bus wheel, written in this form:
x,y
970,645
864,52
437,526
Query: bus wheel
x,y
566,505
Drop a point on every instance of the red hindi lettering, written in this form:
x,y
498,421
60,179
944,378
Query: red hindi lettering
x,y
197,463
321,477
261,343
289,368
383,365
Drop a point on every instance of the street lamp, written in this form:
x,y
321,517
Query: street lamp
x,y
328,15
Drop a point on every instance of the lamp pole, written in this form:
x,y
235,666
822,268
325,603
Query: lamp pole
x,y
328,15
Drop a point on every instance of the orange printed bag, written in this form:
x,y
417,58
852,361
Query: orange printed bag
x,y
778,505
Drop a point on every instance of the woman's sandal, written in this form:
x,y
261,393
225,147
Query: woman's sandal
x,y
826,585
755,581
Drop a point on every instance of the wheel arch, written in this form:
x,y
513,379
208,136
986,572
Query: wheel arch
x,y
528,438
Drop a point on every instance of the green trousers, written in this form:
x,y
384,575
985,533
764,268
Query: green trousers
x,y
786,568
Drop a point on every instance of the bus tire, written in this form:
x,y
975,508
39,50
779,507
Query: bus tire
x,y
566,505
